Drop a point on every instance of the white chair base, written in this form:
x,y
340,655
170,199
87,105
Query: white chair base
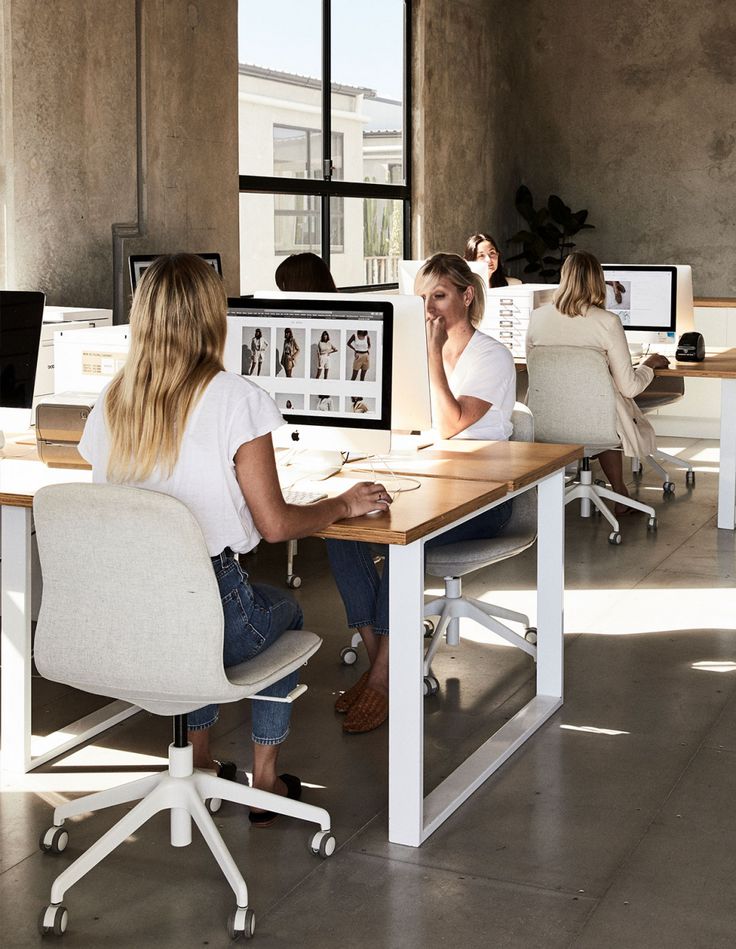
x,y
593,494
183,791
452,607
661,456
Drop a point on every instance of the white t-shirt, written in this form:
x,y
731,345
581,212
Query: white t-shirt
x,y
232,411
485,370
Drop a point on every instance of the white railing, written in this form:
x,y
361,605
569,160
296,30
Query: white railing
x,y
381,270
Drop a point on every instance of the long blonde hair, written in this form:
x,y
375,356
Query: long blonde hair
x,y
456,270
178,325
582,284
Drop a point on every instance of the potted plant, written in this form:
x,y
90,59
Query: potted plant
x,y
546,239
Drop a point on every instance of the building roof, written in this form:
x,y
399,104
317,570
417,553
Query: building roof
x,y
310,82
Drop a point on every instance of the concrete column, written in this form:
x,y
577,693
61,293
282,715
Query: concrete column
x,y
119,132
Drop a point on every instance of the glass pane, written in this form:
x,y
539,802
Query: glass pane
x,y
368,88
367,238
279,81
272,226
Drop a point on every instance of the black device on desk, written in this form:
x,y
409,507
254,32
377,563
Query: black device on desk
x,y
691,348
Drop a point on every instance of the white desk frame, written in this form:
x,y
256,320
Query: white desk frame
x,y
411,816
16,658
727,472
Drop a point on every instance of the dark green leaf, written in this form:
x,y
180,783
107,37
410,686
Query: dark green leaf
x,y
558,209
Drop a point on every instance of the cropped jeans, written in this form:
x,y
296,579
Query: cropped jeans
x,y
255,617
365,593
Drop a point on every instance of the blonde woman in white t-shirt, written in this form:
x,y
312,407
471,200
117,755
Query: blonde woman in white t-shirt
x,y
473,385
173,420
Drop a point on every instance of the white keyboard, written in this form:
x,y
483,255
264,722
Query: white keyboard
x,y
292,496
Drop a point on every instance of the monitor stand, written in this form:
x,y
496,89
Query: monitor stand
x,y
298,464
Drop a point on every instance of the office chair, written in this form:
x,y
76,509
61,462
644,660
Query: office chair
x,y
454,561
663,391
148,628
572,398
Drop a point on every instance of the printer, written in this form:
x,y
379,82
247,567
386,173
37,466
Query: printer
x,y
60,421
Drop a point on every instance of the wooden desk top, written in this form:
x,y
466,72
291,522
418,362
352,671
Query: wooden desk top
x,y
516,464
716,365
437,502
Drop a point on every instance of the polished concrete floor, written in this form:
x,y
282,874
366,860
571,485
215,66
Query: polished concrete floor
x,y
612,828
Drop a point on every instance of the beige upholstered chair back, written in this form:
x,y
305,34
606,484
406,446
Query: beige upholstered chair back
x,y
571,396
131,607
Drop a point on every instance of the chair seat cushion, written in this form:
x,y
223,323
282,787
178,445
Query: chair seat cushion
x,y
456,560
288,653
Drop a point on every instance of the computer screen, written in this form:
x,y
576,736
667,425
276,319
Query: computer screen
x,y
644,297
138,263
21,316
326,364
411,406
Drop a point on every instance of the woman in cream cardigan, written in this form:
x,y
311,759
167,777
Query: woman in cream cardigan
x,y
577,318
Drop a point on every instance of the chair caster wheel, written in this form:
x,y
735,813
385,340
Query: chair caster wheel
x,y
241,923
53,840
614,537
428,628
348,656
431,685
293,582
652,524
690,479
53,920
323,844
531,635
668,487
213,804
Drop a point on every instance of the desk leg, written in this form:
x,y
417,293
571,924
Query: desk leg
x,y
727,473
16,639
550,585
406,696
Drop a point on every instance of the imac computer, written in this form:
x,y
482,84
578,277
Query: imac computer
x,y
139,262
411,408
645,298
327,364
21,316
408,270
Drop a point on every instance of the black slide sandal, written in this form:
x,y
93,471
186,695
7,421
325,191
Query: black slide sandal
x,y
293,792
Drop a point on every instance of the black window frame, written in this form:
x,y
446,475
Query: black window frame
x,y
327,187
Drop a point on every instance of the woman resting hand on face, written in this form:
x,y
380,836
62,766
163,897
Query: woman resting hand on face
x,y
473,385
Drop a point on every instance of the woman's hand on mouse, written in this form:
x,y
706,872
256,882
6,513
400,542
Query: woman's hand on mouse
x,y
365,497
656,361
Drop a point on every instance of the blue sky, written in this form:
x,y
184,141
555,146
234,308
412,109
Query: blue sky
x,y
366,40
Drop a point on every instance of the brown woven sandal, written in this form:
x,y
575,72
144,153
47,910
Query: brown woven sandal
x,y
368,712
345,702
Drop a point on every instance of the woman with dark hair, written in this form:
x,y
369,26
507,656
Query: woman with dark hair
x,y
482,247
306,272
324,350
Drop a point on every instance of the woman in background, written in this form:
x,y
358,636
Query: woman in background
x,y
483,247
577,317
172,420
306,272
473,385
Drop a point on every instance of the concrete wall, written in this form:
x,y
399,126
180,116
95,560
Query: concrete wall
x,y
629,109
81,163
461,171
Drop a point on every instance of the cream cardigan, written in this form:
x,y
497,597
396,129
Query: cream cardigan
x,y
602,330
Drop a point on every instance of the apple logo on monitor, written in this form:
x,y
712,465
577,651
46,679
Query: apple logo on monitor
x,y
295,436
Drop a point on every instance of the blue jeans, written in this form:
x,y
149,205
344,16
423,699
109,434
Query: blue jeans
x,y
365,593
255,617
